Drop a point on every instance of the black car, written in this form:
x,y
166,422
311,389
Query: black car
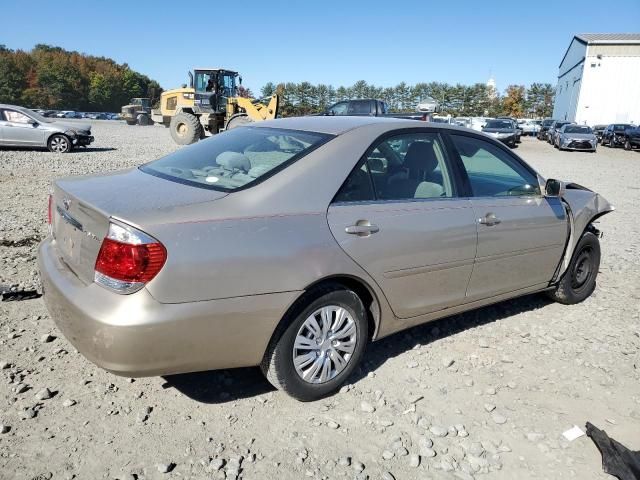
x,y
544,128
503,130
597,131
613,136
631,138
519,130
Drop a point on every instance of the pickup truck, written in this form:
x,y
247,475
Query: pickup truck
x,y
376,108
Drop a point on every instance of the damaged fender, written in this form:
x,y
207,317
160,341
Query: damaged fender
x,y
583,206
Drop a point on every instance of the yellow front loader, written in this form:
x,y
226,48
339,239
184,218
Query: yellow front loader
x,y
208,106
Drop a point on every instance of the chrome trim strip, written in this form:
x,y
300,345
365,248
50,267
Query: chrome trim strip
x,y
69,219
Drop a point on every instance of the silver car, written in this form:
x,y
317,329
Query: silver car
x,y
576,137
292,243
20,127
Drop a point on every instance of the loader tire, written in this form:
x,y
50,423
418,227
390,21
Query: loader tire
x,y
185,128
238,120
144,120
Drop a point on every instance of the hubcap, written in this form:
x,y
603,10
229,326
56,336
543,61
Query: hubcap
x,y
324,344
182,129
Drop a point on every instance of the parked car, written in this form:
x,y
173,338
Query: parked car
x,y
281,245
477,123
553,130
516,126
20,127
631,138
613,136
545,125
597,131
64,113
576,137
502,129
529,127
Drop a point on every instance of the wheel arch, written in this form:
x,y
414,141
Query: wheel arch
x,y
361,288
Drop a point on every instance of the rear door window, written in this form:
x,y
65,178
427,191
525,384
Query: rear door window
x,y
403,167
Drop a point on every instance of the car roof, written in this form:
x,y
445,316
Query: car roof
x,y
338,124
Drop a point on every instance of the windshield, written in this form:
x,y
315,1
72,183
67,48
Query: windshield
x,y
547,123
499,124
237,158
577,129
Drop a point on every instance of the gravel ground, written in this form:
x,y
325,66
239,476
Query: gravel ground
x,y
486,394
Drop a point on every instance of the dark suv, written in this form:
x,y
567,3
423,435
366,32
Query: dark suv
x,y
597,131
631,138
613,136
544,128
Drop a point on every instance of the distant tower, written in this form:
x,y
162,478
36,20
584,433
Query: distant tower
x,y
491,87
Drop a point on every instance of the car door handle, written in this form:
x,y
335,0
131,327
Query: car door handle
x,y
489,220
362,229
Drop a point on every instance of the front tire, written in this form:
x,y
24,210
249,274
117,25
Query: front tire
x,y
579,281
59,143
320,345
627,144
185,128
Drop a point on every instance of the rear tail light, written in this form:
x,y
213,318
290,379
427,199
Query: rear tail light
x,y
128,259
424,117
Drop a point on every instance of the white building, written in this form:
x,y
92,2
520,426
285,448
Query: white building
x,y
599,79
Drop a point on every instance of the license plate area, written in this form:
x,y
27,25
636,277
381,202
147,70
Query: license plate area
x,y
69,235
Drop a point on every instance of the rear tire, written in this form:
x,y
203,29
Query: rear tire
x,y
59,143
579,281
144,120
337,304
238,120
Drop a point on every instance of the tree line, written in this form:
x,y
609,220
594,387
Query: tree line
x,y
456,100
53,78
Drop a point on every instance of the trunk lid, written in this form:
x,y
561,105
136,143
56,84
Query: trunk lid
x,y
82,208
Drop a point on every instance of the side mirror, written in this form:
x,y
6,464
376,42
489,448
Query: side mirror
x,y
34,123
554,188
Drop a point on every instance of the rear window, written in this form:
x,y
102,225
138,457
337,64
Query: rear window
x,y
237,158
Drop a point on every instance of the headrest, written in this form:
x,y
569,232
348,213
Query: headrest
x,y
233,160
420,157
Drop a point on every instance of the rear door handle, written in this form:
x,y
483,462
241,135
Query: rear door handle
x,y
362,228
489,220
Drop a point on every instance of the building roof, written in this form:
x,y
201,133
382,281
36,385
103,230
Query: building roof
x,y
609,38
603,39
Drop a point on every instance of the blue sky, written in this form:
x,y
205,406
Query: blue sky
x,y
333,42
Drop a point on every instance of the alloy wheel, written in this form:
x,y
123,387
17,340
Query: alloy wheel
x,y
59,144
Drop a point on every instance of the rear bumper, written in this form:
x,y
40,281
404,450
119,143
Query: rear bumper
x,y
135,335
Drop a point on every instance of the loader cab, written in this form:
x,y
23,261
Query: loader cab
x,y
212,88
141,102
